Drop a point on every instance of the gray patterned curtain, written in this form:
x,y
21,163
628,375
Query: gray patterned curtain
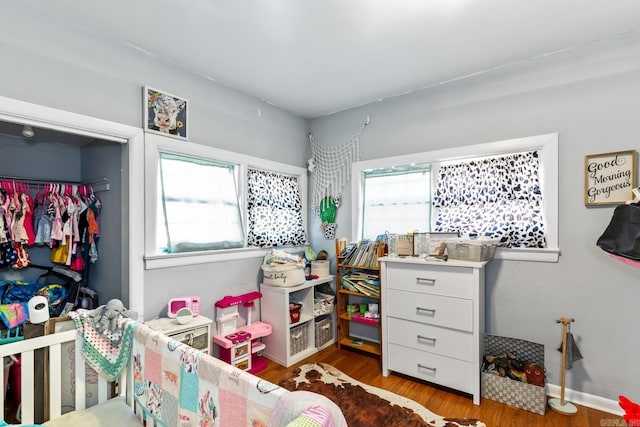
x,y
496,198
274,210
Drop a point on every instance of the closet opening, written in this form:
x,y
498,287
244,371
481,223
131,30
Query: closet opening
x,y
68,151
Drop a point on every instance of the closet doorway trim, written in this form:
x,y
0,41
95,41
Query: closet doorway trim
x,y
16,111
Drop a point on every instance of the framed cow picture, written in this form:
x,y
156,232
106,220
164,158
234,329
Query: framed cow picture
x,y
165,114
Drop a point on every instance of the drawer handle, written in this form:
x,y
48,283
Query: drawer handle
x,y
426,281
433,340
430,310
426,367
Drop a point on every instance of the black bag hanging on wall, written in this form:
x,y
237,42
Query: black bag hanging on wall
x,y
622,235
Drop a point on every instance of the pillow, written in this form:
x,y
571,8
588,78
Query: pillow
x,y
315,416
293,404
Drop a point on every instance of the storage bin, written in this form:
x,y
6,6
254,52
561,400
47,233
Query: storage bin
x,y
323,330
472,250
11,335
294,312
284,275
323,304
320,268
521,395
299,339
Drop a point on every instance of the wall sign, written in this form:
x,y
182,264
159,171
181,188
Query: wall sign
x,y
609,178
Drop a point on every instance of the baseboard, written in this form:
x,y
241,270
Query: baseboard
x,y
586,399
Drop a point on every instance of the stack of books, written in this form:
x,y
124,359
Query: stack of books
x,y
366,284
364,253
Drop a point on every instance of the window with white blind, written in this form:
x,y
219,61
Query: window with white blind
x,y
396,199
506,190
199,205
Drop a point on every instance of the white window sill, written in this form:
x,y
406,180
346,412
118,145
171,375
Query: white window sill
x,y
528,254
153,262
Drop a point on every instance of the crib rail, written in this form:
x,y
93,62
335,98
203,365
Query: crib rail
x,y
26,349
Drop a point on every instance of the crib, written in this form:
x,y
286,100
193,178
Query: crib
x,y
143,394
118,411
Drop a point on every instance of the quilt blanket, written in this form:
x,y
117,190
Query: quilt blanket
x,y
178,386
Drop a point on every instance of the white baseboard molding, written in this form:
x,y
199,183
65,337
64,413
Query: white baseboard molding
x,y
586,399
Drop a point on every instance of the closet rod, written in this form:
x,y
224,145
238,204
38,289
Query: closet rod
x,y
101,184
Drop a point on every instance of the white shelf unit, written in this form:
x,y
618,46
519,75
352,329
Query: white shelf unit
x,y
281,345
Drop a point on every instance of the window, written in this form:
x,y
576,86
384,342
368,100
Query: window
x,y
540,203
199,205
396,199
203,204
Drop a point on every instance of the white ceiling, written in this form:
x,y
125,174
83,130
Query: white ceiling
x,y
315,57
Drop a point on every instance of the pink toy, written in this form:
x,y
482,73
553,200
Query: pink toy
x,y
240,346
175,304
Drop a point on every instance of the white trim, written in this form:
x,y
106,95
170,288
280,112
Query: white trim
x,y
585,399
154,143
547,147
175,260
17,111
528,254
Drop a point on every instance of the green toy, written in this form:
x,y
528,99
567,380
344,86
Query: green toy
x,y
328,210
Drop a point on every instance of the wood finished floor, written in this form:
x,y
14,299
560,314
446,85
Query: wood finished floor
x,y
367,369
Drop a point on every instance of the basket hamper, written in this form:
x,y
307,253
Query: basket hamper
x,y
299,339
521,395
323,330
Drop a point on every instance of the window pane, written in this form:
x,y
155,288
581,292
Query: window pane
x,y
275,210
199,204
396,200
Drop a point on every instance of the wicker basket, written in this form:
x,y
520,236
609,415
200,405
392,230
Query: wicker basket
x,y
323,330
323,304
514,393
299,339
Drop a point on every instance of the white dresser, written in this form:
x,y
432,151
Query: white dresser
x,y
433,321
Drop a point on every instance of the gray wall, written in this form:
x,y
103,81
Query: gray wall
x,y
106,81
103,161
590,98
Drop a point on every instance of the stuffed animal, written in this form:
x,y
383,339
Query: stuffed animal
x,y
105,318
535,374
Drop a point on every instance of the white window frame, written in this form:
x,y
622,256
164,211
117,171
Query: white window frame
x,y
156,143
547,147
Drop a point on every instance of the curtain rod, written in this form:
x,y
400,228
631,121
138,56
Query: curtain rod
x,y
100,184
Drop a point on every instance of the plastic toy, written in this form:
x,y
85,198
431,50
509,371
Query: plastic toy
x,y
240,346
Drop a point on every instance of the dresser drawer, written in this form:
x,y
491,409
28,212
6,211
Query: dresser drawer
x,y
434,339
432,367
456,313
433,279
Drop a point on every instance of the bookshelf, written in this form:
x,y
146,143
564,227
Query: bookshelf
x,y
358,284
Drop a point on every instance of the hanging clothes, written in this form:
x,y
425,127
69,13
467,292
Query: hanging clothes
x,y
52,218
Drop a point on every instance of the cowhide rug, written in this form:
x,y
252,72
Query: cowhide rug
x,y
364,405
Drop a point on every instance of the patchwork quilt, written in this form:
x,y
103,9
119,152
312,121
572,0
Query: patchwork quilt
x,y
178,386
